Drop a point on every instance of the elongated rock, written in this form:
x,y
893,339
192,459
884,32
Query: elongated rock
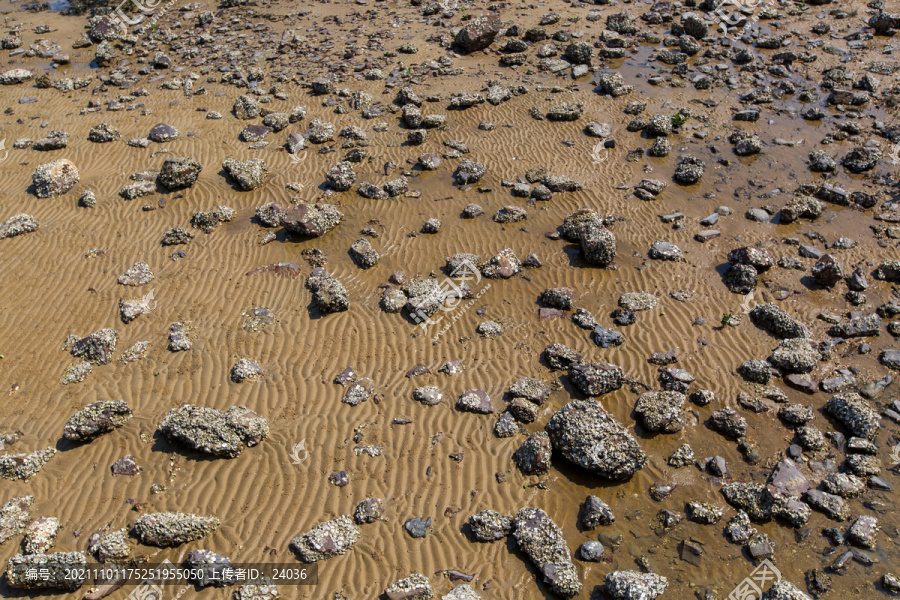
x,y
855,413
96,419
634,585
17,225
596,379
24,466
542,541
167,529
216,432
773,319
65,571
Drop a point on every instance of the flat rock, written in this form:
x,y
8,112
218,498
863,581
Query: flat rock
x,y
212,431
476,401
167,529
787,478
414,587
596,379
326,540
311,220
634,585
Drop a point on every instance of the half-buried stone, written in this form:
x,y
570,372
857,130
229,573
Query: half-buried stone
x,y
575,225
533,456
476,401
96,419
311,220
594,512
634,585
469,171
40,535
162,133
326,540
208,568
169,529
341,176
637,301
503,266
596,379
795,355
559,356
425,296
215,432
96,348
15,516
598,245
533,390
369,511
246,369
429,395
17,225
414,587
363,254
777,322
25,466
247,174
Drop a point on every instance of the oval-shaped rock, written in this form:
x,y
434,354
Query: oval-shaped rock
x,y
167,529
588,436
215,432
96,419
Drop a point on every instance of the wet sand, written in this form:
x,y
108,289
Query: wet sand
x,y
49,289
